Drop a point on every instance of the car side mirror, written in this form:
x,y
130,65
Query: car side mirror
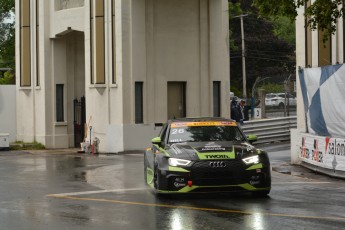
x,y
156,141
252,138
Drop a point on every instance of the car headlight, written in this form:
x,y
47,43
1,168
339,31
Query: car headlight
x,y
251,160
178,162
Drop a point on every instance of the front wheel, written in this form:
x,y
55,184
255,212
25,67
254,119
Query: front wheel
x,y
155,176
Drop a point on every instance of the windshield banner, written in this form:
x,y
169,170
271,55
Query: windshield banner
x,y
324,152
203,123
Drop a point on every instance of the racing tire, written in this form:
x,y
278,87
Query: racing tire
x,y
155,177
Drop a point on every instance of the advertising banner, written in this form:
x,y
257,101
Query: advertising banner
x,y
324,152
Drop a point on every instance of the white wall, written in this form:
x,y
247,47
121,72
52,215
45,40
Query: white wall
x,y
8,111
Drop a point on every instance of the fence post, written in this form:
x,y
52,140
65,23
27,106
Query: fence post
x,y
262,94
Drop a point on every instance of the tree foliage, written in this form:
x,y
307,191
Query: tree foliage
x,y
7,79
267,54
284,29
234,9
272,88
322,14
7,34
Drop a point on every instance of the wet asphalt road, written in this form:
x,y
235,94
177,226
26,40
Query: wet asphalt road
x,y
80,191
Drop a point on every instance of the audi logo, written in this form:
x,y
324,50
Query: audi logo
x,y
217,164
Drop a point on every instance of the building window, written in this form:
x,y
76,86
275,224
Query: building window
x,y
59,103
25,49
325,50
37,45
97,10
216,98
139,111
308,39
113,40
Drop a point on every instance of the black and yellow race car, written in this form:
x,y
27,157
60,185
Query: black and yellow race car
x,y
206,155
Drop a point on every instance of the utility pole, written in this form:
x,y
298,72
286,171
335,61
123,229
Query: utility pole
x,y
243,56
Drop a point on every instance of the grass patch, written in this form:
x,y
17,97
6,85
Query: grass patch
x,y
20,145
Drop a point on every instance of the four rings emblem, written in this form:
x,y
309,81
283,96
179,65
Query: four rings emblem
x,y
217,164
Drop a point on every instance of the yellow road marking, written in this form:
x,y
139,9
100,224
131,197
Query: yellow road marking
x,y
196,208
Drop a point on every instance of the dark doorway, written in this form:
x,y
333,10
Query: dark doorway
x,y
79,121
176,100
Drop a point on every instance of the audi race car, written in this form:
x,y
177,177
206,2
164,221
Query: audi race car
x,y
206,155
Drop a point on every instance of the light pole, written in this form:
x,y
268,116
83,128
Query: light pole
x,y
243,57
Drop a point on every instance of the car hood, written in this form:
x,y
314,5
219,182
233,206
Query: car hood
x,y
211,150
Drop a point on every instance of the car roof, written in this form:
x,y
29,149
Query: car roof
x,y
199,119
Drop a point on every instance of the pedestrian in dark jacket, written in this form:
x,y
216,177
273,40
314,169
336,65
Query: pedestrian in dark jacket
x,y
243,111
234,109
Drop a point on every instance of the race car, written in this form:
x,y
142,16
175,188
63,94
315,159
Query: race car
x,y
193,155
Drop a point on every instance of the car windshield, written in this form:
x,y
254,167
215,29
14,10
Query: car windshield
x,y
204,131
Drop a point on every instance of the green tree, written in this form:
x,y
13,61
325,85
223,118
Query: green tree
x,y
8,79
284,29
234,10
322,14
267,51
7,34
272,88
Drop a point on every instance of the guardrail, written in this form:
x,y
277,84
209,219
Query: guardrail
x,y
270,130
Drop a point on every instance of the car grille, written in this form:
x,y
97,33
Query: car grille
x,y
232,173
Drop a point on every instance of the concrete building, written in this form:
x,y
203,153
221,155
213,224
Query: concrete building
x,y
133,62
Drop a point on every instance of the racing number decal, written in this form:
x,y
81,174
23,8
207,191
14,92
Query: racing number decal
x,y
177,131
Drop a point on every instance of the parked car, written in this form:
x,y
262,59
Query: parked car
x,y
279,100
197,155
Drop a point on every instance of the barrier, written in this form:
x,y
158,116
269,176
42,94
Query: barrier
x,y
270,130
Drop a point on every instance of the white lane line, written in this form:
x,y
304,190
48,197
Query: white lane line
x,y
301,182
98,191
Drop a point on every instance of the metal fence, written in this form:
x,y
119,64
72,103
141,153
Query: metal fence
x,y
270,130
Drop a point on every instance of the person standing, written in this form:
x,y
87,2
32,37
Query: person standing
x,y
243,111
234,109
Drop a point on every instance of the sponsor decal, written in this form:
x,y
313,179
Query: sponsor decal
x,y
211,147
217,156
254,182
180,179
179,185
311,149
324,152
337,147
207,155
249,147
176,149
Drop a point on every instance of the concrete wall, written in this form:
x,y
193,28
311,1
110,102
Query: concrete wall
x,y
8,111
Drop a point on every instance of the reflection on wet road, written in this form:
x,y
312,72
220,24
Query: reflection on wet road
x,y
68,191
